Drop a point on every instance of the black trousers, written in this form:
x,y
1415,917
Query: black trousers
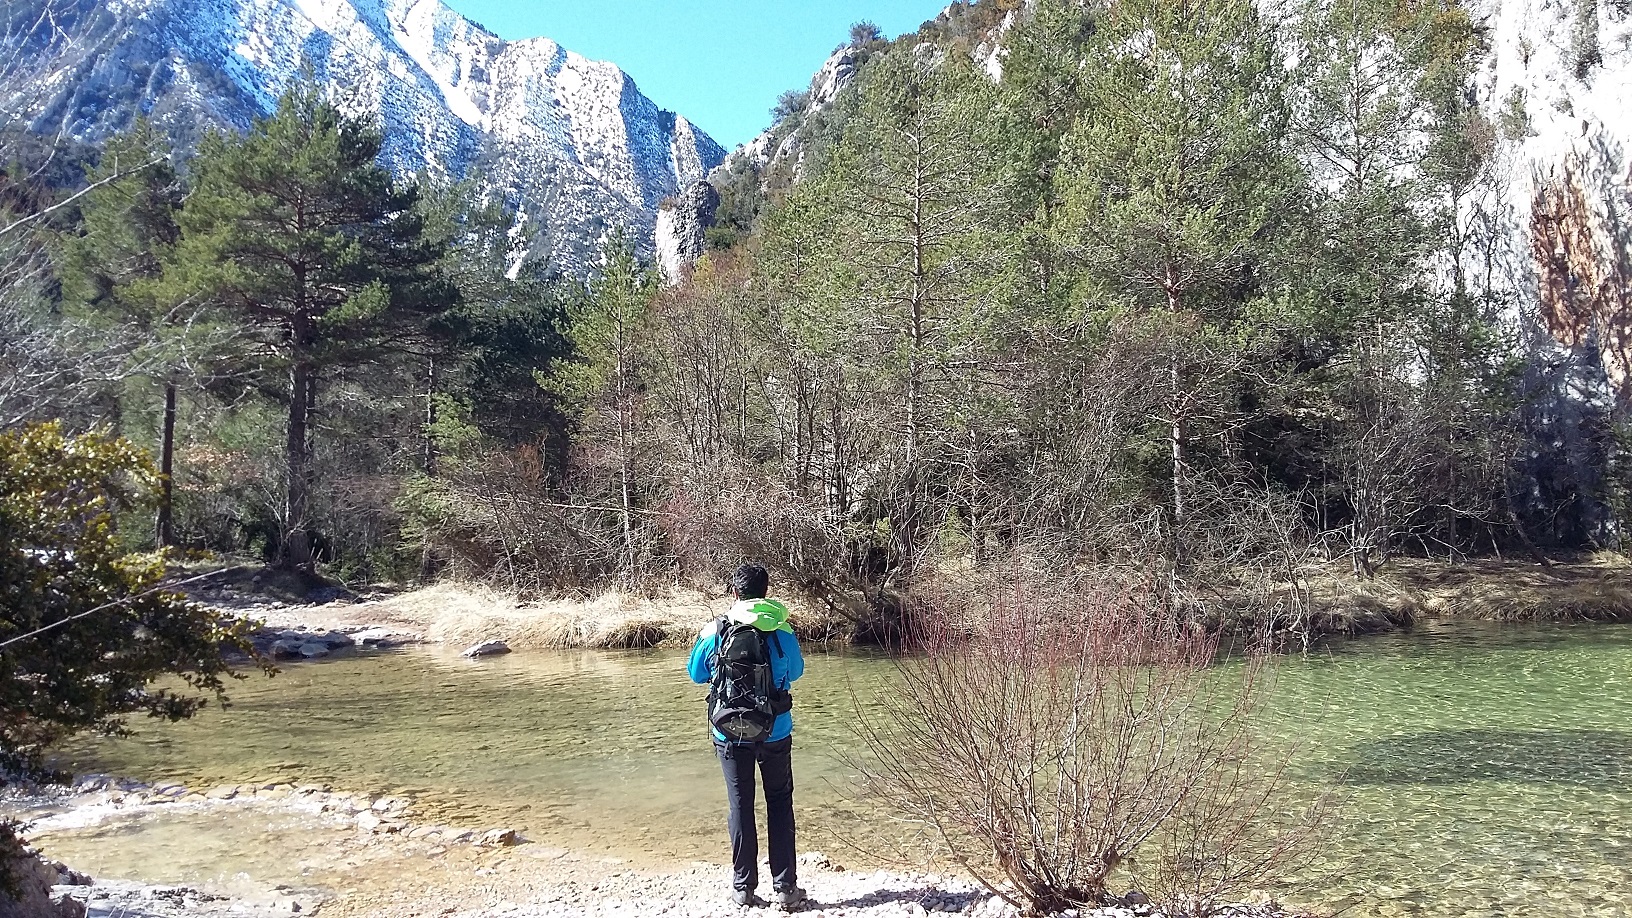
x,y
776,767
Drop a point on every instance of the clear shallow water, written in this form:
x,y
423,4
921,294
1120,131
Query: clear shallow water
x,y
1488,768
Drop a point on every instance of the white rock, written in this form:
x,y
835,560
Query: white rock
x,y
381,638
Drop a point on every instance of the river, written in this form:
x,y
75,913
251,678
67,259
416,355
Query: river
x,y
1487,769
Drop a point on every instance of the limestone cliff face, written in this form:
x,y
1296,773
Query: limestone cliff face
x,y
1552,239
682,225
782,146
774,158
1578,240
1558,79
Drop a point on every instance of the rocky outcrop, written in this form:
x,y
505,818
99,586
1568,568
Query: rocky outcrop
x,y
299,644
32,878
1549,238
682,227
783,145
382,638
1584,274
837,72
487,649
1555,80
570,142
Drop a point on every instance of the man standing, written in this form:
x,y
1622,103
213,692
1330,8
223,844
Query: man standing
x,y
769,644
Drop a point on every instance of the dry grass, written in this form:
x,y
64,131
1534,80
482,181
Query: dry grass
x,y
1595,588
463,614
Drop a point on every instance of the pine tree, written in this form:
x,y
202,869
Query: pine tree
x,y
507,328
1386,352
1174,185
297,232
901,272
604,382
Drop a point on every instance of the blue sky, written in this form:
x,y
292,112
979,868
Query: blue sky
x,y
721,63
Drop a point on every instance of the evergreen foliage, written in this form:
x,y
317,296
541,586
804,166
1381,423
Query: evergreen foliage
x,y
1181,282
865,32
898,272
1139,292
64,567
110,269
299,234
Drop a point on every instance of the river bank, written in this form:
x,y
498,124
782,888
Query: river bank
x,y
1405,592
386,864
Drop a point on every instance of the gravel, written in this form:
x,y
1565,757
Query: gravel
x,y
415,870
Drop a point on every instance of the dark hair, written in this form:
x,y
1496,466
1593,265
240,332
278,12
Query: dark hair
x,y
750,581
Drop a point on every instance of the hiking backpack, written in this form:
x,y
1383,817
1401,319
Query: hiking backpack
x,y
743,698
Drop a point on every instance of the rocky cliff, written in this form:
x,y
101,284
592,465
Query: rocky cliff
x,y
1551,236
682,225
1558,80
571,142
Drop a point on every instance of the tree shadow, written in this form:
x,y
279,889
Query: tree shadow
x,y
953,902
1579,757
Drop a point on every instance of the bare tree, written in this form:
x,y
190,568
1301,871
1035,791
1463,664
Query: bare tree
x,y
40,361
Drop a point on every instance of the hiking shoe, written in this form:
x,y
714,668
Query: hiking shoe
x,y
789,898
747,897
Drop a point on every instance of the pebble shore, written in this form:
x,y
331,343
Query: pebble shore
x,y
426,869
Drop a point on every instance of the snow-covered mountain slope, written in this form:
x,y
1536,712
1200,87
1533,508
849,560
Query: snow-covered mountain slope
x,y
570,141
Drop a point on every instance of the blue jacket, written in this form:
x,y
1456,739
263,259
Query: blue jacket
x,y
787,662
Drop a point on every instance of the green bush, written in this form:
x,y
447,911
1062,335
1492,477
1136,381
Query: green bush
x,y
112,632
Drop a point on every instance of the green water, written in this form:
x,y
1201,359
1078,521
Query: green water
x,y
1488,768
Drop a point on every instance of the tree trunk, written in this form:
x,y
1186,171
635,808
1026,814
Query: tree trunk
x,y
1176,409
164,526
1176,442
906,528
430,418
625,435
427,552
297,542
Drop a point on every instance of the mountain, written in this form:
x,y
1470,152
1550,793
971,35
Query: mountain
x,y
570,142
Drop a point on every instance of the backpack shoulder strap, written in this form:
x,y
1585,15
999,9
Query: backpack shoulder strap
x,y
721,625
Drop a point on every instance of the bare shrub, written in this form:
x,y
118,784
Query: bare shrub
x,y
1059,737
1249,558
635,634
715,519
506,518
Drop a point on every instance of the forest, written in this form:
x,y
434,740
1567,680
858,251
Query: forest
x,y
1190,288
